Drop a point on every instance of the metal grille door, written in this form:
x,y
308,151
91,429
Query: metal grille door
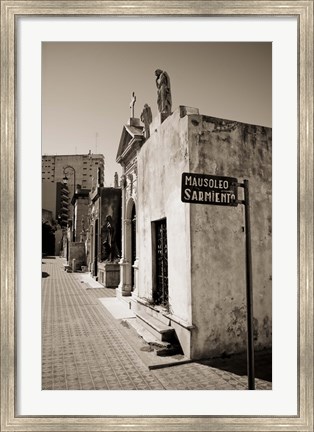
x,y
161,294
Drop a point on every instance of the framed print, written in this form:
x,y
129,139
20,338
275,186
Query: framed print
x,y
168,150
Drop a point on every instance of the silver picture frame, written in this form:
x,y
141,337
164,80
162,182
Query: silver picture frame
x,y
10,10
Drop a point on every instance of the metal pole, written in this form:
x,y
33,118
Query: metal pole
x,y
74,231
249,290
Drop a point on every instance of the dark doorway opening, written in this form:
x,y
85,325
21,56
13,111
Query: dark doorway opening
x,y
48,239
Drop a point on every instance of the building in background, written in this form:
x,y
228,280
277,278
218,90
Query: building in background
x,y
82,169
85,166
81,173
62,204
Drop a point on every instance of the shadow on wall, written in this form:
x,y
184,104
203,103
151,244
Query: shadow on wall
x,y
44,274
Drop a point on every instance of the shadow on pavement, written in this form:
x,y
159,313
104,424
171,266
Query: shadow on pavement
x,y
44,274
236,364
49,256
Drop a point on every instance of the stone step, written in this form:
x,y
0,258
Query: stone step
x,y
148,337
160,348
160,330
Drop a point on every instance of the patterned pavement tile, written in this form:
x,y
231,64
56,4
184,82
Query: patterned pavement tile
x,y
83,348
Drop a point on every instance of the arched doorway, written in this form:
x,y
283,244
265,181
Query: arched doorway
x,y
130,238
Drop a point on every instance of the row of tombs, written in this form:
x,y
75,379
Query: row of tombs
x,y
181,266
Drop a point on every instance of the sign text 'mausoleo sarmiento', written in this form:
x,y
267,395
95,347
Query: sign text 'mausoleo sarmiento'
x,y
209,189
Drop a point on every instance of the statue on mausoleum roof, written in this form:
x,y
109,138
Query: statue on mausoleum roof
x,y
146,118
116,180
164,101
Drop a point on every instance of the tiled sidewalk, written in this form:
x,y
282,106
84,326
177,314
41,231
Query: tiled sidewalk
x,y
83,347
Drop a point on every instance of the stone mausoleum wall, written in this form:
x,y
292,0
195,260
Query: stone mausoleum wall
x,y
243,151
161,161
206,243
77,253
81,215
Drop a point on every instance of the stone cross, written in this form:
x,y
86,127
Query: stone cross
x,y
132,103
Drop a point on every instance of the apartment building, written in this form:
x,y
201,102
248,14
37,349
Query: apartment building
x,y
79,169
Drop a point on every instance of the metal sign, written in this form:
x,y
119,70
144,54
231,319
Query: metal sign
x,y
209,189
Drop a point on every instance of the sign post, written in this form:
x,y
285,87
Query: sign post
x,y
217,190
249,289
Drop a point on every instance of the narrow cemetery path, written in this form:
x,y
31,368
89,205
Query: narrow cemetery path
x,y
85,347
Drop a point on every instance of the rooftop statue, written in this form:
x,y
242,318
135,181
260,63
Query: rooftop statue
x,y
146,118
116,180
164,101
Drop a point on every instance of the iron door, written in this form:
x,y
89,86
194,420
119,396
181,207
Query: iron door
x,y
161,293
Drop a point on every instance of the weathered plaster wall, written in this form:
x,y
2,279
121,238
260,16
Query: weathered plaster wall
x,y
77,252
206,244
161,161
58,240
232,149
49,197
81,215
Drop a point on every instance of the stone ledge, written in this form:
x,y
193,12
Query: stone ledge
x,y
164,314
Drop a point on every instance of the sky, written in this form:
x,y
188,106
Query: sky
x,y
87,88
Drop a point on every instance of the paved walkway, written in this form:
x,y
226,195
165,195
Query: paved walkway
x,y
84,347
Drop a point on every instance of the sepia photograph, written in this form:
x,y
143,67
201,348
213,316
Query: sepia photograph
x,y
156,216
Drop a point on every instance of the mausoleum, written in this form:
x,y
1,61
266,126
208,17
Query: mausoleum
x,y
183,264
